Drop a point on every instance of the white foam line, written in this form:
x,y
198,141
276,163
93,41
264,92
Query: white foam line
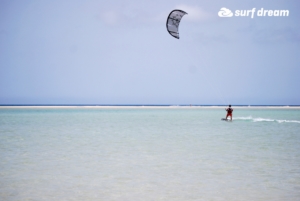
x,y
259,119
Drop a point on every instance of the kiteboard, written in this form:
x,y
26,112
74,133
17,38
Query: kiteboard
x,y
223,119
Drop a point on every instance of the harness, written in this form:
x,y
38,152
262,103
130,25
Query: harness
x,y
229,110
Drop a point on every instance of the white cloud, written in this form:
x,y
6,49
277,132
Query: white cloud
x,y
110,17
195,13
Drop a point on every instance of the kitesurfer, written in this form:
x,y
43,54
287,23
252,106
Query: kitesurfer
x,y
229,112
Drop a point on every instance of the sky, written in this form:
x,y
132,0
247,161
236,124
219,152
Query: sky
x,y
119,52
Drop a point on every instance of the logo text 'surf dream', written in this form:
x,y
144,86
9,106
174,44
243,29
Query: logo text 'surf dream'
x,y
225,12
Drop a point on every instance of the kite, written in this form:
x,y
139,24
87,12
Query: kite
x,y
173,21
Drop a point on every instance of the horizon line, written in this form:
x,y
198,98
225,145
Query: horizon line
x,y
149,105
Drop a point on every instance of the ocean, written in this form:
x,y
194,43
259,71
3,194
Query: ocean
x,y
149,154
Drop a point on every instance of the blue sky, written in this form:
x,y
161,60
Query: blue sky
x,y
119,52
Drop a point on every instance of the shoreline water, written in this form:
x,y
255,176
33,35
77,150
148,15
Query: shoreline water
x,y
154,152
148,106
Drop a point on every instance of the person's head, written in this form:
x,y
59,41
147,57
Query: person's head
x,y
229,105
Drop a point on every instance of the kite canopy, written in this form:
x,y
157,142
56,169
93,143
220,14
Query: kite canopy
x,y
173,22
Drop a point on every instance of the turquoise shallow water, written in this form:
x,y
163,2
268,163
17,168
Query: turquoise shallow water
x,y
149,154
